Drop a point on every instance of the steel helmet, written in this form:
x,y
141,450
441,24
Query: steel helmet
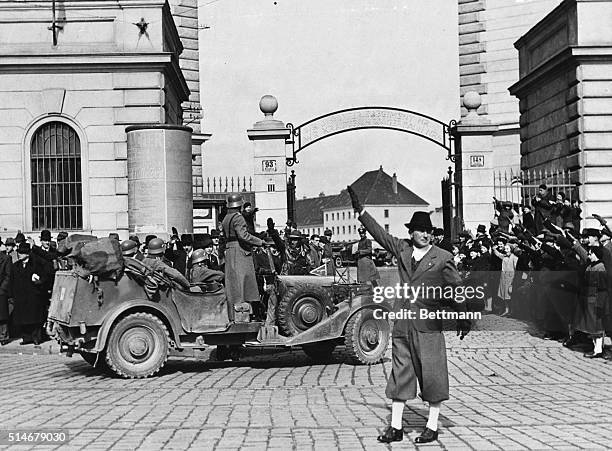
x,y
234,201
128,247
156,246
361,229
198,256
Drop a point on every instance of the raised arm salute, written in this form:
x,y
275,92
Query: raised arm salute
x,y
419,350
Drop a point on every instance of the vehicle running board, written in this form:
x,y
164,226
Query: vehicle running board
x,y
269,335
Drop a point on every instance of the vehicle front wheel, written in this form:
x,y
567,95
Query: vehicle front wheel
x,y
137,346
366,338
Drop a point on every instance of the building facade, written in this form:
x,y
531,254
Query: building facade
x,y
67,95
386,199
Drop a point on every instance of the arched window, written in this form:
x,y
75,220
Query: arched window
x,y
57,195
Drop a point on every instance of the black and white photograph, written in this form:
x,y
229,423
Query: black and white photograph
x,y
305,225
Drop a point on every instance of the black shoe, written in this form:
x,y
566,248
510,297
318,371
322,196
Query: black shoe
x,y
570,341
26,342
5,342
391,435
427,436
592,355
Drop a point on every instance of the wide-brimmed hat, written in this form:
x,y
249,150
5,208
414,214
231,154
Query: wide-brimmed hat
x,y
214,233
186,239
24,248
589,231
45,235
438,231
481,228
9,241
420,220
362,229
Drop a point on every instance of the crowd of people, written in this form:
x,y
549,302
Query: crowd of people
x,y
533,260
538,265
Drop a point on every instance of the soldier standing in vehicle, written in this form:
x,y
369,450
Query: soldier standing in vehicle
x,y
366,269
240,282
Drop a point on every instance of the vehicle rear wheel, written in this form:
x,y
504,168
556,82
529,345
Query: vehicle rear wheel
x,y
137,346
303,306
321,351
366,338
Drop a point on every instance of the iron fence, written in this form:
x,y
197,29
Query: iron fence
x,y
519,187
222,185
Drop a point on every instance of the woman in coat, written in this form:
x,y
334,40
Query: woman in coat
x,y
30,282
366,269
593,301
506,277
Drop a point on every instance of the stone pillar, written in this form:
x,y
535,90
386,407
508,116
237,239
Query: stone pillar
x,y
270,170
474,165
159,179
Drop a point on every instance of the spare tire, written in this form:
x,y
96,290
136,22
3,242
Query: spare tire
x,y
302,306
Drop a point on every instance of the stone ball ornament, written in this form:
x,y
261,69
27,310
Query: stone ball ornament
x,y
268,105
472,100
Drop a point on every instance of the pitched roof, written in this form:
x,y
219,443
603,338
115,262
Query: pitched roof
x,y
308,212
373,188
376,188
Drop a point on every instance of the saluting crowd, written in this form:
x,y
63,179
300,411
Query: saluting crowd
x,y
538,265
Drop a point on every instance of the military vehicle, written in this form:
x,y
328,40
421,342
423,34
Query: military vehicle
x,y
130,323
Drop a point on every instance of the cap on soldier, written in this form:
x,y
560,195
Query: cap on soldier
x,y
155,246
328,232
128,247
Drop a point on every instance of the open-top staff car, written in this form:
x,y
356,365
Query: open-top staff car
x,y
129,324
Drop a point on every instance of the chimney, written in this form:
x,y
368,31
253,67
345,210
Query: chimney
x,y
394,183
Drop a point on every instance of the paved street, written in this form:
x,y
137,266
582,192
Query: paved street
x,y
509,390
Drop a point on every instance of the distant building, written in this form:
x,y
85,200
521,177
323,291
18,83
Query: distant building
x,y
387,200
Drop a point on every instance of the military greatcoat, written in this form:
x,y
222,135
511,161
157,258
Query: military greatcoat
x,y
418,347
240,281
366,269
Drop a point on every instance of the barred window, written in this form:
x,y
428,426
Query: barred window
x,y
57,197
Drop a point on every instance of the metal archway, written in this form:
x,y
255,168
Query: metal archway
x,y
362,118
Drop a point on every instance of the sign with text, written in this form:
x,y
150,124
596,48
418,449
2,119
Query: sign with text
x,y
477,161
268,166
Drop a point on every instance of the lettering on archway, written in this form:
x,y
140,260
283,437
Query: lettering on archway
x,y
370,118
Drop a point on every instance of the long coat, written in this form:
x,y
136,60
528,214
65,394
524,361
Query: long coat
x,y
6,266
366,269
593,303
240,281
31,299
506,276
418,351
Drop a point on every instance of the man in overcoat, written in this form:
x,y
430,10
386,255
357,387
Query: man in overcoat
x,y
30,280
418,347
6,266
366,269
240,281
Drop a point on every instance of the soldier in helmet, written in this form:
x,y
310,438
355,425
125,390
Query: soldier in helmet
x,y
240,282
129,249
156,260
199,272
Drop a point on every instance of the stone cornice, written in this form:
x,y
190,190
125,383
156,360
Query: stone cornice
x,y
569,57
82,4
91,62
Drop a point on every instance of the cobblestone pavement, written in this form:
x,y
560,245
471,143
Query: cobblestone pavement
x,y
509,390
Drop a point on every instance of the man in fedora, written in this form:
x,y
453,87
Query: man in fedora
x,y
419,351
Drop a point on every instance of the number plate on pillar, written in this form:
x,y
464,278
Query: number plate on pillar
x,y
477,161
268,165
